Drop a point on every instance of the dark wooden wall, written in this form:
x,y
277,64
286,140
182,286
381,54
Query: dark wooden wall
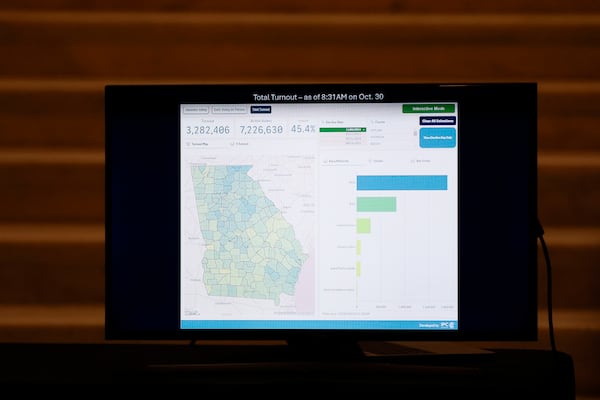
x,y
57,55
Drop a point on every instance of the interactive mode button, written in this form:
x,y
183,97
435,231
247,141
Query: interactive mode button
x,y
421,108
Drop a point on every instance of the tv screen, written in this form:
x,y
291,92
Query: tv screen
x,y
346,211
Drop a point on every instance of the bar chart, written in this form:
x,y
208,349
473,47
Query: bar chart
x,y
395,226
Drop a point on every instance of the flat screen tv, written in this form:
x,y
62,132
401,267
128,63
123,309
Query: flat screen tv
x,y
342,212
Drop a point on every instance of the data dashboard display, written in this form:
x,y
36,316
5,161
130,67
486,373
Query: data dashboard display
x,y
319,215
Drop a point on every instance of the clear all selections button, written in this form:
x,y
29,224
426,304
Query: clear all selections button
x,y
438,120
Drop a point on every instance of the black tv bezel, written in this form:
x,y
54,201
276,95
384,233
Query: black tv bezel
x,y
152,110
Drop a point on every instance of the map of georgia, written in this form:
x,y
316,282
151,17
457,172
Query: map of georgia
x,y
251,251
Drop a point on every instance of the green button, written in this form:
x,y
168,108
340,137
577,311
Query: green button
x,y
428,108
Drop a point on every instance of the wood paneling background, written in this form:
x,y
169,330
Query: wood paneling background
x,y
57,55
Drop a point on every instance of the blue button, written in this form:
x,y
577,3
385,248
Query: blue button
x,y
260,109
437,138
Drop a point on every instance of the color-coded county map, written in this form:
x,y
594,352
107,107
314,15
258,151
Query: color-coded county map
x,y
251,251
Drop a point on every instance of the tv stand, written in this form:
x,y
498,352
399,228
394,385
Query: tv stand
x,y
501,372
326,348
323,348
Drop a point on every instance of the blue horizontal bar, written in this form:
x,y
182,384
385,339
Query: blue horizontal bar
x,y
320,324
402,182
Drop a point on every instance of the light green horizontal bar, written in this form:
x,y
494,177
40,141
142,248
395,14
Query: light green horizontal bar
x,y
377,204
363,225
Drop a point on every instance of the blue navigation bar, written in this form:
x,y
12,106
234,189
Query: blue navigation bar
x,y
402,182
444,325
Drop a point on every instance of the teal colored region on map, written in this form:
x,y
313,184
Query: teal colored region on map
x,y
251,251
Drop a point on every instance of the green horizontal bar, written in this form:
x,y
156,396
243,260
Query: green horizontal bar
x,y
348,129
363,225
428,108
377,204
